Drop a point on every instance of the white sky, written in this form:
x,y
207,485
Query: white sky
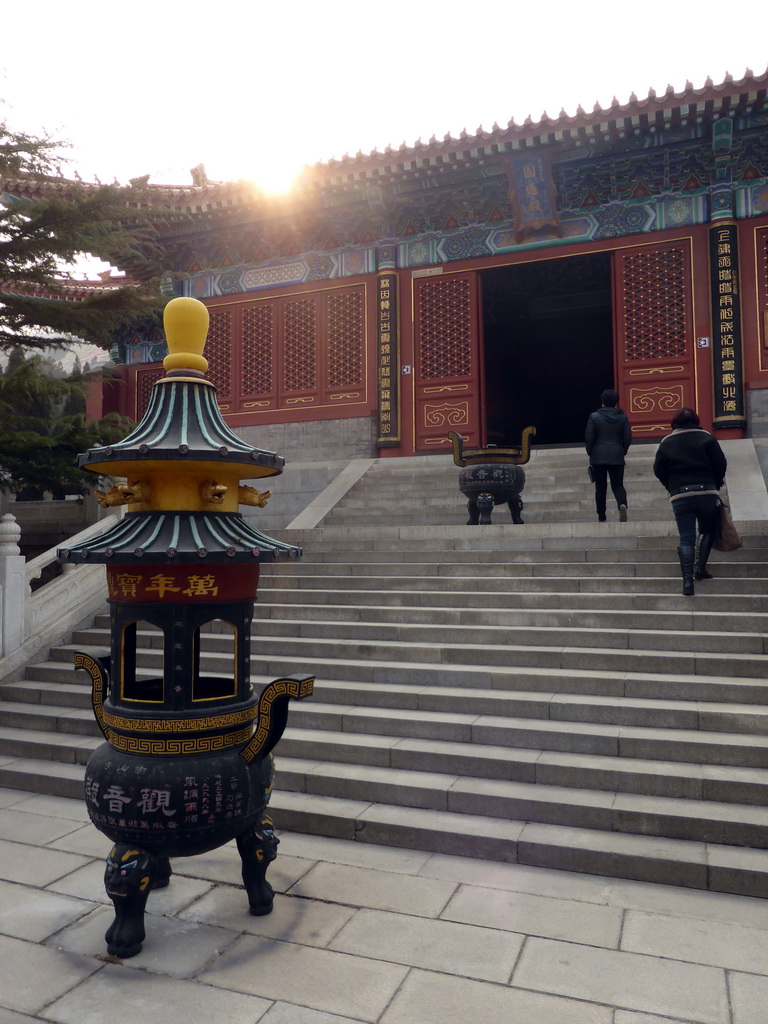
x,y
258,88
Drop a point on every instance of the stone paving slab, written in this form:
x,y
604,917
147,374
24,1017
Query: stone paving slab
x,y
9,1017
483,953
749,997
305,922
35,865
717,943
119,990
318,978
364,934
429,998
536,915
364,887
33,976
175,947
34,828
284,1013
627,980
34,914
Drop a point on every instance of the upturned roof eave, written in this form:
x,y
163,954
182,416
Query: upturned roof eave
x,y
183,204
709,99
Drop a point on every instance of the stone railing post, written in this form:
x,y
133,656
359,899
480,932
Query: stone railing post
x,y
13,584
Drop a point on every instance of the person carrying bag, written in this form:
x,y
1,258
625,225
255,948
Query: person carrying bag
x,y
691,465
726,535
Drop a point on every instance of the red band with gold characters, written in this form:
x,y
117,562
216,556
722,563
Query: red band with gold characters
x,y
182,583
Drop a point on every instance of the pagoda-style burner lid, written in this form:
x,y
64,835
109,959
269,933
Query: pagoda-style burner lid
x,y
183,421
179,538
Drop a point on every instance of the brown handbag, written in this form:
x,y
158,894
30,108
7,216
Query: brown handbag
x,y
726,535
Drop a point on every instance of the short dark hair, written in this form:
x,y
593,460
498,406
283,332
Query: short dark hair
x,y
610,397
685,417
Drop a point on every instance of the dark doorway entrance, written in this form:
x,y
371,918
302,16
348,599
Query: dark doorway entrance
x,y
548,336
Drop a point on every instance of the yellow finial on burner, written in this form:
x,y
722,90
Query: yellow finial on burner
x,y
186,328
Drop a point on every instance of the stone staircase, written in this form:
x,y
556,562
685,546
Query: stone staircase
x,y
399,492
539,693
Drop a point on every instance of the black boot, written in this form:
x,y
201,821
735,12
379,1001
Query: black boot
x,y
703,549
687,557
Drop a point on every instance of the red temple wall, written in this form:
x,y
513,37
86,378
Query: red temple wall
x,y
309,352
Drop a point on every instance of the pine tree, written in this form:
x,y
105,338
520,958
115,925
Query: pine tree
x,y
47,223
43,428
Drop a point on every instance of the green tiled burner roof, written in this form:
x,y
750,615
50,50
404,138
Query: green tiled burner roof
x,y
183,421
180,538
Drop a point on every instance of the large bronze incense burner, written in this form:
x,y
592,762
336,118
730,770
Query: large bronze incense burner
x,y
492,476
187,764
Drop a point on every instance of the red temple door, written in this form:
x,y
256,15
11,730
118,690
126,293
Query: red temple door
x,y
447,360
655,342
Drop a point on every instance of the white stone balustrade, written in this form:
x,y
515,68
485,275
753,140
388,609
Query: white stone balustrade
x,y
31,621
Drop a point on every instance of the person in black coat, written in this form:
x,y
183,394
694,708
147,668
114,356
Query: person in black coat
x,y
691,465
608,437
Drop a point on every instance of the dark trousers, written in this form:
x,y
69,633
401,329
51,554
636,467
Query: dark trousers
x,y
698,509
601,475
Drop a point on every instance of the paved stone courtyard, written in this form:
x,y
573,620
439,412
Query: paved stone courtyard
x,y
364,933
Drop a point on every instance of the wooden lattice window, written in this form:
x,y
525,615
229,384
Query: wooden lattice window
x,y
218,351
258,326
655,304
345,338
300,369
446,328
145,381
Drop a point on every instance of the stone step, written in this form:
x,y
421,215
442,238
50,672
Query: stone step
x,y
36,776
678,619
622,584
530,516
671,818
444,636
574,602
405,684
686,857
693,738
516,549
694,864
468,768
665,744
64,724
646,858
632,656
719,783
628,554
19,738
715,715
507,571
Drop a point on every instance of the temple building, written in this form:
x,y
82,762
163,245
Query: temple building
x,y
487,282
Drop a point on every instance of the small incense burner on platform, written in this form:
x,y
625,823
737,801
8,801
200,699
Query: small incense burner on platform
x,y
492,476
187,764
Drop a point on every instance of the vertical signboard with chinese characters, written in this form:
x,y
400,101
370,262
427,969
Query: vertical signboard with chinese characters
x,y
387,362
533,198
726,328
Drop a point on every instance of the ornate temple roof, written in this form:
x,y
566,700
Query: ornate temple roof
x,y
671,108
181,210
72,289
